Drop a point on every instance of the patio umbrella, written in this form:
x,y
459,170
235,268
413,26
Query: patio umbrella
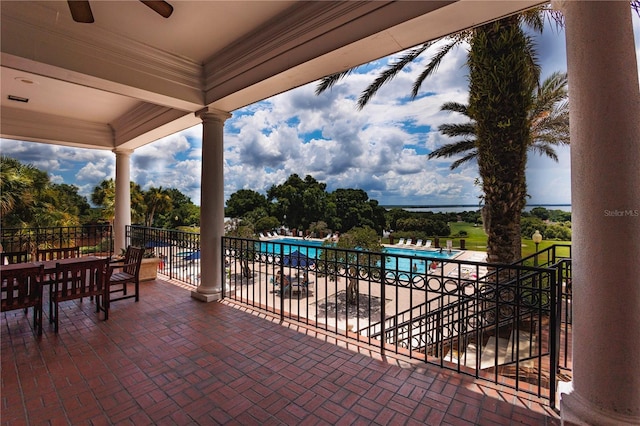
x,y
295,258
193,256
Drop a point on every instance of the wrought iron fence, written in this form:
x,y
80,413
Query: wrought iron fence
x,y
92,239
495,322
179,251
558,257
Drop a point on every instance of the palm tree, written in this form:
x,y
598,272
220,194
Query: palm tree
x,y
104,195
503,75
15,181
502,80
23,193
548,118
156,199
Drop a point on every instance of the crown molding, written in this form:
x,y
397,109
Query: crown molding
x,y
142,119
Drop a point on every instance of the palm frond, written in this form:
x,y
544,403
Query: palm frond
x,y
454,130
455,107
544,149
433,65
466,159
549,102
389,73
453,148
329,81
534,63
534,18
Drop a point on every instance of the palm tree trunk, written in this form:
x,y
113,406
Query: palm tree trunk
x,y
501,83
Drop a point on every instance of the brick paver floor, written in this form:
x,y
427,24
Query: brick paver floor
x,y
171,360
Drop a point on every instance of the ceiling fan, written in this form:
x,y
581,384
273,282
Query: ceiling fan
x,y
81,10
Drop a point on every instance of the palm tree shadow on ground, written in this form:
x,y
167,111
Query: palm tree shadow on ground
x,y
336,306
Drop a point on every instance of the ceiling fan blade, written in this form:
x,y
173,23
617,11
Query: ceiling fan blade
x,y
162,8
81,11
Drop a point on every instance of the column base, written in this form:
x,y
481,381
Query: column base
x,y
206,297
576,411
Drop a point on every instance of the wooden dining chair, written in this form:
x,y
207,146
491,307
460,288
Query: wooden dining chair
x,y
22,289
11,257
121,274
82,278
57,253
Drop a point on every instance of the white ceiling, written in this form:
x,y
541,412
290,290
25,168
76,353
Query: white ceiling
x,y
132,77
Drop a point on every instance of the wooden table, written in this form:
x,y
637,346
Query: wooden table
x,y
49,265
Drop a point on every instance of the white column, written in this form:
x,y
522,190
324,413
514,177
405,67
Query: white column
x,y
604,98
211,205
122,199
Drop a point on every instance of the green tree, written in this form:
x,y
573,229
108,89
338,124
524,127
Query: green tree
x,y
156,199
298,202
27,196
138,204
548,121
266,223
15,184
182,212
68,200
244,201
502,79
353,209
318,228
104,196
540,212
361,261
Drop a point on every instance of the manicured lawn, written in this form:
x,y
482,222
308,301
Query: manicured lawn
x,y
476,239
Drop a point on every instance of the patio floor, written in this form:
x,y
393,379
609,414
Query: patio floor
x,y
172,360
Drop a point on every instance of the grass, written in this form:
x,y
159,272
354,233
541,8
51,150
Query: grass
x,y
476,239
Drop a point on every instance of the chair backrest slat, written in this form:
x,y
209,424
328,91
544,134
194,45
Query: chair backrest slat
x,y
57,253
21,288
11,257
132,260
79,279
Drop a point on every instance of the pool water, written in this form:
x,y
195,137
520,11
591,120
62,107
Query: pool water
x,y
408,259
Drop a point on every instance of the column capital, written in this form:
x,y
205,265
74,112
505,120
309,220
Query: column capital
x,y
122,151
209,113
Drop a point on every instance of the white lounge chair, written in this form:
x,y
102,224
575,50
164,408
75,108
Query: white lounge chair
x,y
262,236
449,245
427,244
400,242
408,243
419,244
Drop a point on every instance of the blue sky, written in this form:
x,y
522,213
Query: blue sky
x,y
381,149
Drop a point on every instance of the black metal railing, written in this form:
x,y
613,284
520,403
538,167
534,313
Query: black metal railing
x,y
179,251
497,322
92,239
558,257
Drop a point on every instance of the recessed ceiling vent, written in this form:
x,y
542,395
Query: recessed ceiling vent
x,y
18,98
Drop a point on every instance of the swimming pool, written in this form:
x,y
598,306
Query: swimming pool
x,y
403,258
